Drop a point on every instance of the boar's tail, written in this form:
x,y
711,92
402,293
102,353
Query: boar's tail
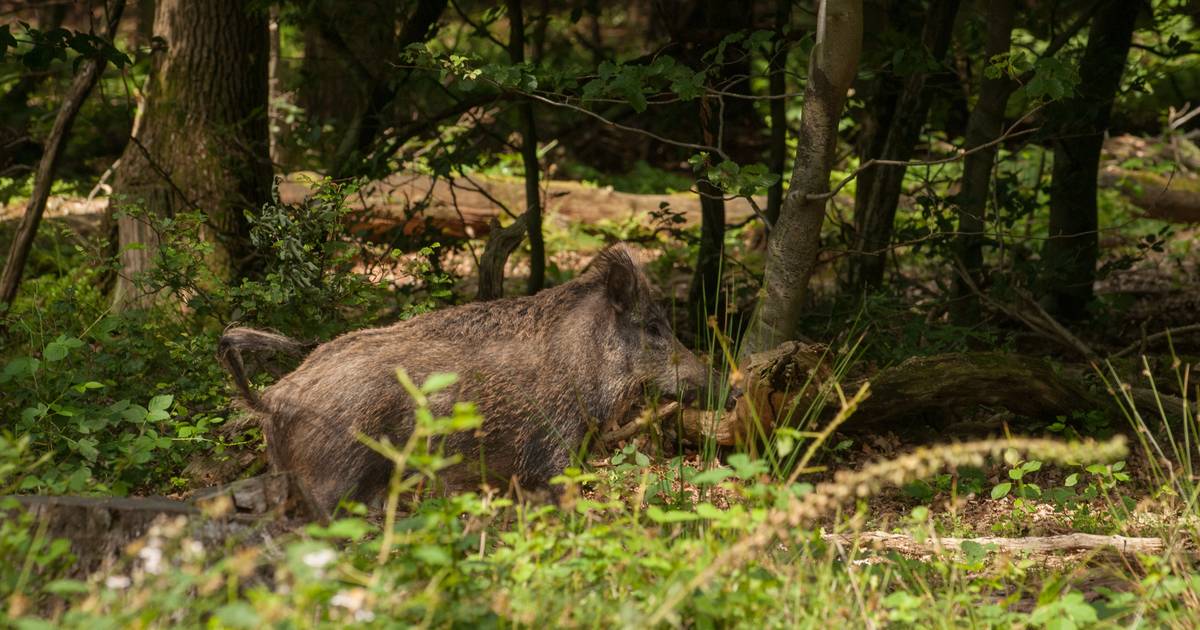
x,y
235,340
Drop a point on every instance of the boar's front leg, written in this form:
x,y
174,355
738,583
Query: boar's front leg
x,y
545,451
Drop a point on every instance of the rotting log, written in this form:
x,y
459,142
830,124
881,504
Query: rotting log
x,y
100,528
783,383
1023,385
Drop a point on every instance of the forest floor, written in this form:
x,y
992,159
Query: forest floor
x,y
646,521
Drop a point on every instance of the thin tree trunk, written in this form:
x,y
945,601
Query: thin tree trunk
x,y
777,86
875,206
347,46
705,292
529,158
501,243
81,87
1071,252
202,142
794,243
985,124
274,121
20,150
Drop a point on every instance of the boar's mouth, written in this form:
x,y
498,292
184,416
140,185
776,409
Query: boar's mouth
x,y
696,396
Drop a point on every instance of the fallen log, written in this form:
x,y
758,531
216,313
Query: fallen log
x,y
783,383
1033,544
1174,198
463,207
100,528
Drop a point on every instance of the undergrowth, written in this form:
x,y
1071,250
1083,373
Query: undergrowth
x,y
105,402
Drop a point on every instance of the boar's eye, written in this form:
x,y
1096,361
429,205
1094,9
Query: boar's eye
x,y
658,329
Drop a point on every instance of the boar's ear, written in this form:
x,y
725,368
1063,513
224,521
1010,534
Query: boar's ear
x,y
622,278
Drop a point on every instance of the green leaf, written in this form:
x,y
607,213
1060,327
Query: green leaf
x,y
658,515
87,448
974,552
161,402
432,554
1001,490
438,381
82,387
66,587
744,467
238,615
349,528
712,476
1071,480
55,351
711,512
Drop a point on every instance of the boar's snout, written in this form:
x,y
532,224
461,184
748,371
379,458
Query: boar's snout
x,y
691,382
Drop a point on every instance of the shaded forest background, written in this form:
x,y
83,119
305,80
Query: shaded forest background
x,y
986,210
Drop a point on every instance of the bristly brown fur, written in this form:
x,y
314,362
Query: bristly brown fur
x,y
543,370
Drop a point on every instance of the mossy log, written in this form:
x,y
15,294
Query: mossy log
x,y
784,383
101,528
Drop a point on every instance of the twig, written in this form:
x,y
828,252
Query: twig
x,y
483,191
1032,544
1190,328
1039,320
958,155
617,125
643,420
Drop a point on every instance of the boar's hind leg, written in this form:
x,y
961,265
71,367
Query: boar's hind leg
x,y
358,474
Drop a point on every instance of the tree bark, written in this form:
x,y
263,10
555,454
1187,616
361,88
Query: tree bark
x,y
81,87
529,157
985,124
274,93
202,140
501,243
705,292
1070,253
878,195
794,243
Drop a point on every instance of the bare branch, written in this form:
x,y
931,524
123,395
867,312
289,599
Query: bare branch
x,y
958,155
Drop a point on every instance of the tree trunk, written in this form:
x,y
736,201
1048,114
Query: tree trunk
x,y
529,157
274,92
777,87
1071,251
501,243
709,22
14,265
877,197
705,292
346,48
21,151
794,243
201,143
985,124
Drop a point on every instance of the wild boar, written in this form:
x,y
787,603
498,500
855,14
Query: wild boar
x,y
543,370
